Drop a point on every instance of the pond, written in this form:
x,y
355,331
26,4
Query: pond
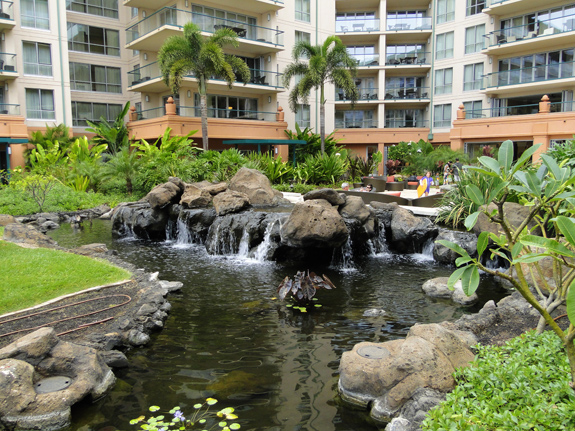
x,y
228,337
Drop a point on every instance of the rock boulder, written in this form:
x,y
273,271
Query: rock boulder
x,y
195,197
466,240
230,201
314,223
163,195
408,232
256,186
329,195
27,234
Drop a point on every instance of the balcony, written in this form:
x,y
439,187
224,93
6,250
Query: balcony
x,y
408,59
6,15
540,36
511,7
148,78
256,6
544,79
355,124
7,66
407,93
403,123
365,95
150,33
509,111
9,109
409,24
355,25
366,60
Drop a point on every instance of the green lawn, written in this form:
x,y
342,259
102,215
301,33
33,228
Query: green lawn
x,y
32,276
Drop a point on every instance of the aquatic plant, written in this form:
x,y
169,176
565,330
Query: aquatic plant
x,y
202,417
303,287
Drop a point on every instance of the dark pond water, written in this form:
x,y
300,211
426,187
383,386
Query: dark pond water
x,y
229,338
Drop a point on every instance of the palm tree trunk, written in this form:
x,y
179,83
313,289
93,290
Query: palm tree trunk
x,y
322,127
204,111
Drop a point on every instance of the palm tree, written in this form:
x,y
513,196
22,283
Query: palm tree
x,y
329,62
203,58
124,164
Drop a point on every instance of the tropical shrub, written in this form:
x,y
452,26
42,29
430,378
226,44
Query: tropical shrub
x,y
550,196
115,134
60,133
275,169
321,169
313,146
564,152
519,386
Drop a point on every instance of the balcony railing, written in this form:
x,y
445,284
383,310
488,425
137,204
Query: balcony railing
x,y
529,31
366,59
508,111
406,93
9,109
348,25
366,93
7,62
232,114
415,58
170,16
143,74
409,24
152,70
355,124
6,10
526,75
394,124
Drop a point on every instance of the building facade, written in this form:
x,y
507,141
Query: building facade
x,y
466,73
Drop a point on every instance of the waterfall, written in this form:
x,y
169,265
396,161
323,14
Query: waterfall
x,y
244,248
426,254
342,257
262,250
378,244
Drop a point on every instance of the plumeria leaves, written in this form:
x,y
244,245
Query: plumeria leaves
x,y
571,302
550,245
455,247
482,242
471,219
505,155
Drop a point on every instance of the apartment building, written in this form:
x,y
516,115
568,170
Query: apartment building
x,y
60,62
466,73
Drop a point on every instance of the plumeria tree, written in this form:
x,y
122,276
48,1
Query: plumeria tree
x,y
202,58
549,194
319,65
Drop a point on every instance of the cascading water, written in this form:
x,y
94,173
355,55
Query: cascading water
x,y
342,257
378,244
262,251
426,254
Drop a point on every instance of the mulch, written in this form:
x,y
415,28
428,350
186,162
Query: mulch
x,y
74,317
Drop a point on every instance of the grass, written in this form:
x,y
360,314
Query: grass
x,y
33,276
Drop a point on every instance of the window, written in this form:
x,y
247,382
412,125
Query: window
x,y
95,40
355,119
34,13
363,55
472,77
403,118
37,59
474,7
442,115
443,81
474,40
220,106
302,116
444,46
107,8
302,10
90,77
445,11
134,12
405,54
399,87
535,67
356,21
210,19
40,104
301,36
82,111
473,109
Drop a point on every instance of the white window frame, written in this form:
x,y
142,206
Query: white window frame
x,y
445,11
28,10
302,10
443,81
39,69
474,40
45,114
475,71
442,116
444,45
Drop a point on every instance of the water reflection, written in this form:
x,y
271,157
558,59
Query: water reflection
x,y
228,337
